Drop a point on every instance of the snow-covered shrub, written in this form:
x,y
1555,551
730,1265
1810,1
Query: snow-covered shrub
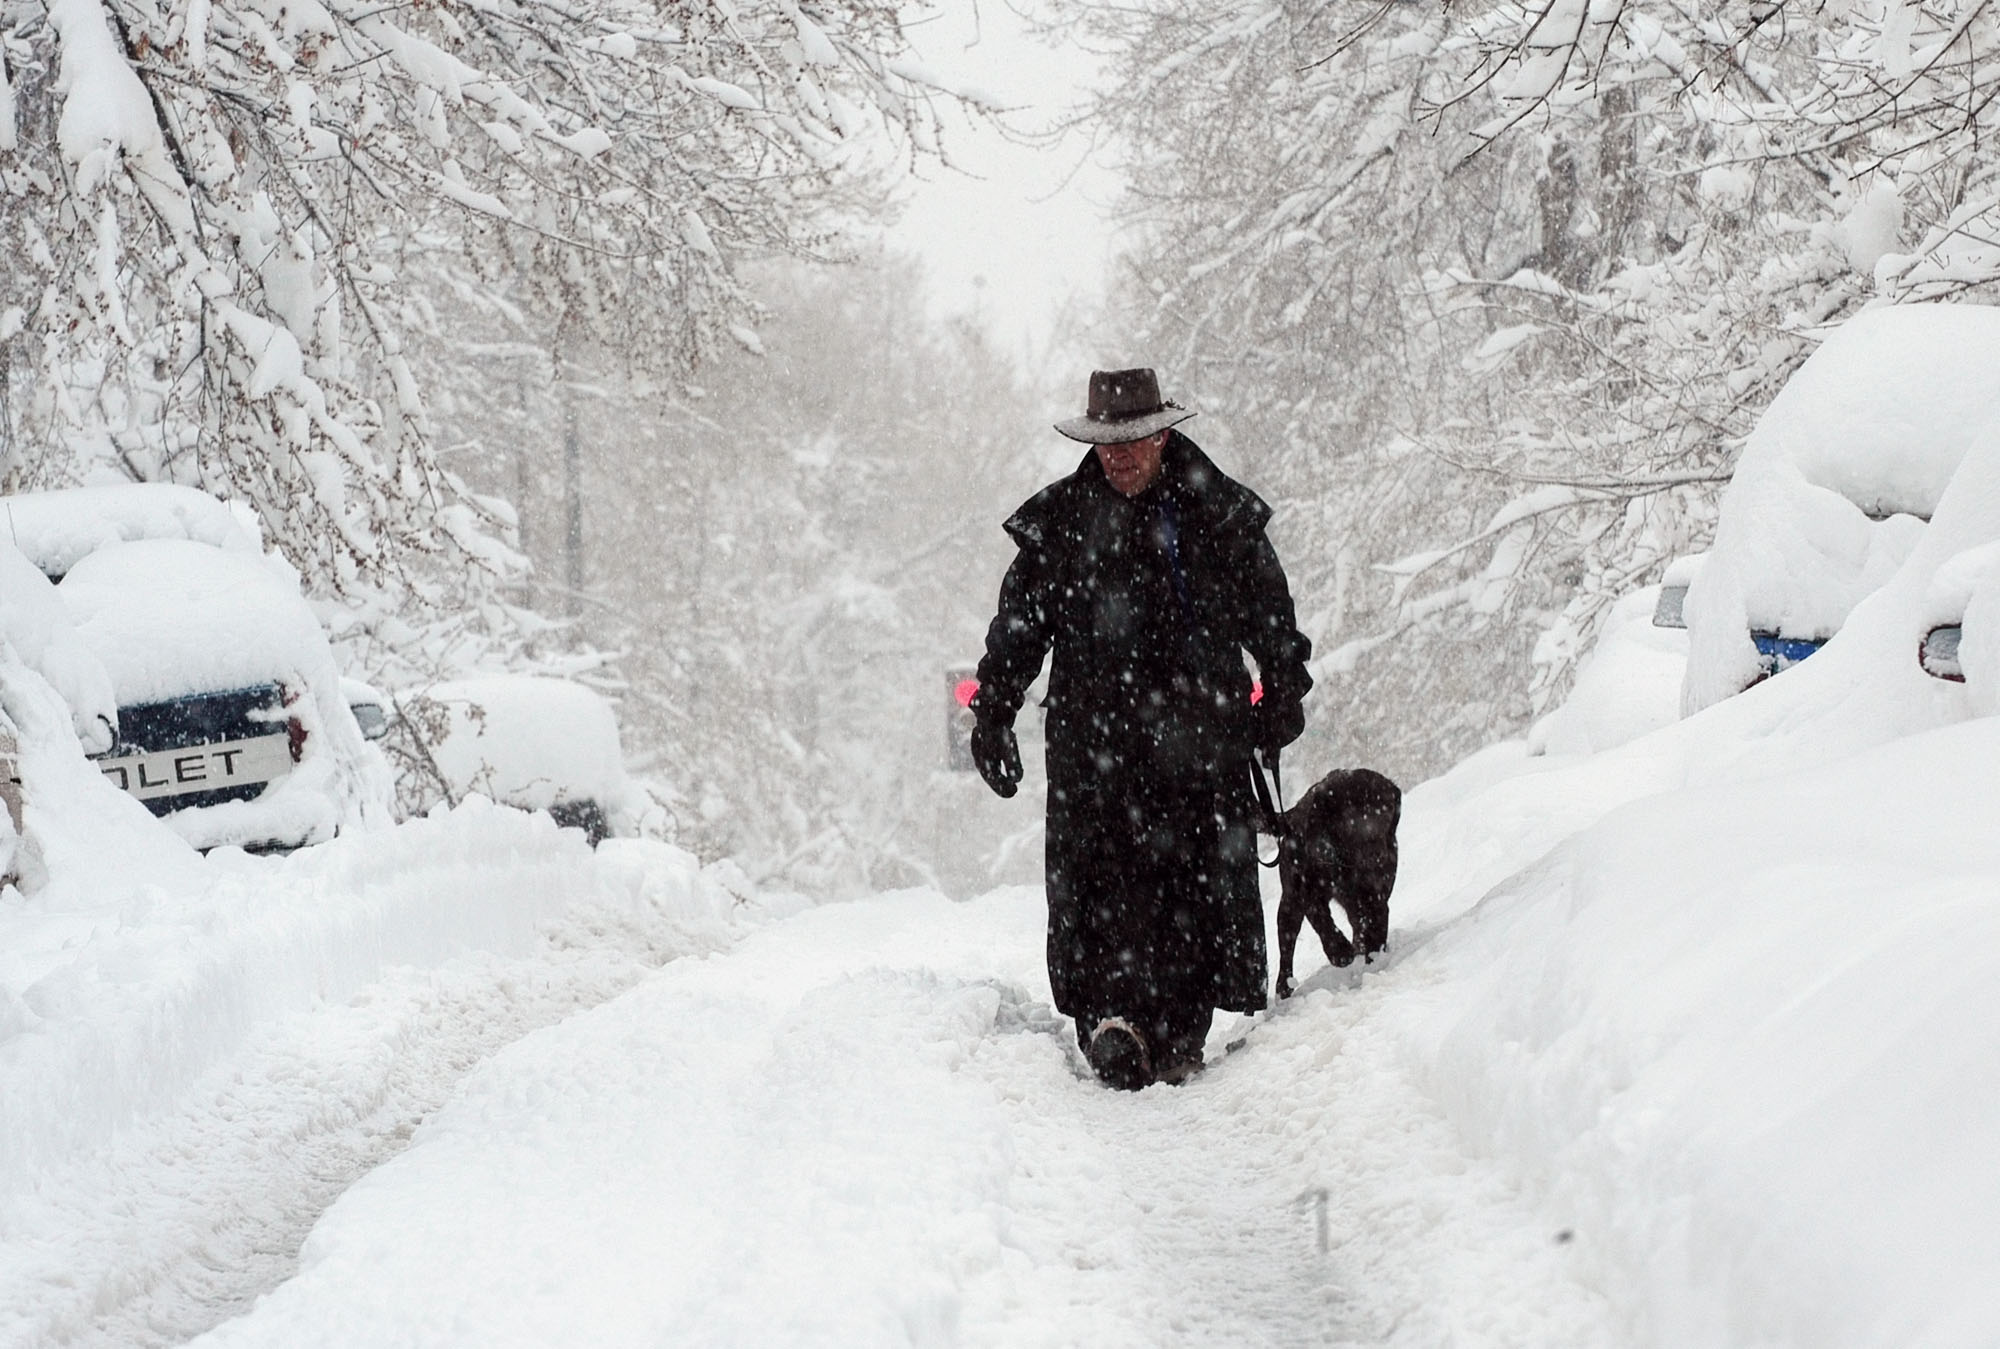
x,y
36,627
1629,684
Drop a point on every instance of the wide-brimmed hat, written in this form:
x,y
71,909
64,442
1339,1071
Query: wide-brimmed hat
x,y
1124,405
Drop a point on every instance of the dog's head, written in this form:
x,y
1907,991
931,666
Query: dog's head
x,y
1344,827
1349,806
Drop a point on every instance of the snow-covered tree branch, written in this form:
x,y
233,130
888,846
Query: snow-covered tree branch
x,y
228,219
1429,260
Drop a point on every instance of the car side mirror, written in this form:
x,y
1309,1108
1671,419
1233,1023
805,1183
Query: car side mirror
x,y
1938,653
1667,612
373,721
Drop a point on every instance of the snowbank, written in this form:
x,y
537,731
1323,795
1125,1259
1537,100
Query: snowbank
x,y
1747,1042
121,986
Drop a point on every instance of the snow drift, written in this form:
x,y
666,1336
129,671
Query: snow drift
x,y
123,983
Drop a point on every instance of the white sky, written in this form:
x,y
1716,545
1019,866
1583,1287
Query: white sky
x,y
1022,230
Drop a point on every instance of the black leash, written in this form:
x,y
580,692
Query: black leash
x,y
1273,821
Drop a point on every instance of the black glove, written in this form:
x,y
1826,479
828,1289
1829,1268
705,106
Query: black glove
x,y
1277,724
996,756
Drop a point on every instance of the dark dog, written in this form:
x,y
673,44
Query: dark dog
x,y
1338,843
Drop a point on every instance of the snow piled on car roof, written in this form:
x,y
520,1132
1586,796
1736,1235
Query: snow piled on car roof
x,y
1833,487
58,529
168,617
1883,412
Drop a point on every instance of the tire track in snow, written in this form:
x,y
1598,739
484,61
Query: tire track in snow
x,y
187,1219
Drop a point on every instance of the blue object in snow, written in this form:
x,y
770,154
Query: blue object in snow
x,y
1781,653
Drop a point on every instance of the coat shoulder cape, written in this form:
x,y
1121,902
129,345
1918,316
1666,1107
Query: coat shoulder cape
x,y
1209,496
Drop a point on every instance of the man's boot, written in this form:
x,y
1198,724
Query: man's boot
x,y
1118,1055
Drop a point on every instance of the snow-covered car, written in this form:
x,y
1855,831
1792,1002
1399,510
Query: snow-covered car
x,y
528,741
232,722
1835,487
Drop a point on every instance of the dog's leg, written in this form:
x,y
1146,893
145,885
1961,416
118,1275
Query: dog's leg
x,y
1364,893
1374,926
1369,920
1291,917
1339,951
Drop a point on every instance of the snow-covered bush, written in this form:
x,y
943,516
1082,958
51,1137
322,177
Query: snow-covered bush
x,y
35,625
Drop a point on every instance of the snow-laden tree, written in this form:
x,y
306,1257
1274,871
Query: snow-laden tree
x,y
782,556
228,222
1489,293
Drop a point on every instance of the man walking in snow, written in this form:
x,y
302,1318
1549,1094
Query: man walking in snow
x,y
1148,574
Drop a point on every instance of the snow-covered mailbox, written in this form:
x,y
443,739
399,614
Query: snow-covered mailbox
x,y
528,741
230,721
1835,487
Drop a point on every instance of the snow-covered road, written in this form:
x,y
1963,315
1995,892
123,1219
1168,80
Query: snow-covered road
x,y
194,1075
1715,1066
188,1217
862,1126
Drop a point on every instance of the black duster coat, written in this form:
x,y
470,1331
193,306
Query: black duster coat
x,y
1149,604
